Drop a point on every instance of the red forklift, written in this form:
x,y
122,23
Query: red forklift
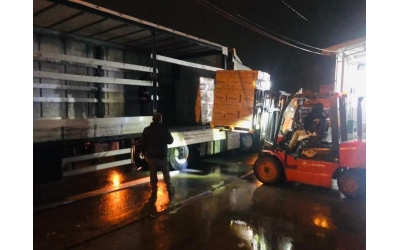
x,y
318,158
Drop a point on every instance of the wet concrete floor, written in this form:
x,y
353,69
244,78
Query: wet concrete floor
x,y
222,207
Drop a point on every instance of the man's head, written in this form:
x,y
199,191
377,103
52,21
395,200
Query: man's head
x,y
319,107
157,117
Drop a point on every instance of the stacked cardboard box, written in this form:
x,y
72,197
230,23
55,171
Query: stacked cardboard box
x,y
234,97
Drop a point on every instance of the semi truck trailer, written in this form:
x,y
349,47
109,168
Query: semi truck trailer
x,y
99,75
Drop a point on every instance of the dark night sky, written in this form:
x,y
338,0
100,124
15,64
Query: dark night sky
x,y
329,22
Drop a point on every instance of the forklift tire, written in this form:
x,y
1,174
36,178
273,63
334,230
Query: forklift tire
x,y
268,170
352,184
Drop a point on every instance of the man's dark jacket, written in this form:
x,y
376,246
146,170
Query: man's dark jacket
x,y
155,139
308,121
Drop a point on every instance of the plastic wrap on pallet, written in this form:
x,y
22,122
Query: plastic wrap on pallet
x,y
264,85
263,76
206,97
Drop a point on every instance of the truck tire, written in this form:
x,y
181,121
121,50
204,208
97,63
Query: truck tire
x,y
268,170
246,142
180,157
352,183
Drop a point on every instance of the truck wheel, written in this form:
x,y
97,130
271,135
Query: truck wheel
x,y
246,142
352,184
268,170
179,157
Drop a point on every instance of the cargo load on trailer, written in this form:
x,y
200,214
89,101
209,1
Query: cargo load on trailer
x,y
238,95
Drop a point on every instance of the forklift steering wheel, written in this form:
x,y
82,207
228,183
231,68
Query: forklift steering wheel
x,y
296,125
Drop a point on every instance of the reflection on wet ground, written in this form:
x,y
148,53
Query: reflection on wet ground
x,y
76,222
68,187
245,215
212,209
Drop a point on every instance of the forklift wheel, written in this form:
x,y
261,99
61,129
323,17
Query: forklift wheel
x,y
351,184
268,170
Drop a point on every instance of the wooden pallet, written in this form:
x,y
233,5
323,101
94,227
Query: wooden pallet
x,y
230,127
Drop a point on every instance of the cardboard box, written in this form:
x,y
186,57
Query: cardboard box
x,y
246,110
234,82
248,92
222,80
232,114
224,88
246,103
248,83
227,107
233,99
219,99
234,96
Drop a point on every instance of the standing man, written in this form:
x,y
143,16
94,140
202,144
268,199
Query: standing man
x,y
154,146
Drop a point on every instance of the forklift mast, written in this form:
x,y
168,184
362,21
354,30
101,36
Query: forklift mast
x,y
334,122
271,121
